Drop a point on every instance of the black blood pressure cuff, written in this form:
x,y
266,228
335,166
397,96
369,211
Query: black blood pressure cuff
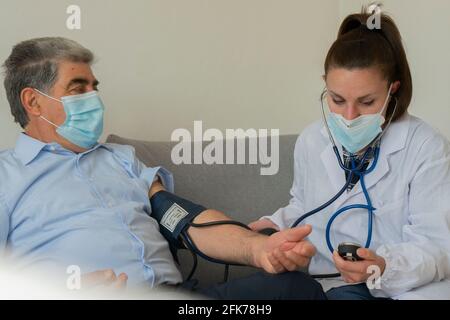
x,y
173,215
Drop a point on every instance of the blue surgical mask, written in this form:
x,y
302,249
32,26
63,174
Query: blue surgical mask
x,y
358,133
84,118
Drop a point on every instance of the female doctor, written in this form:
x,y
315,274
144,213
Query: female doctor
x,y
403,174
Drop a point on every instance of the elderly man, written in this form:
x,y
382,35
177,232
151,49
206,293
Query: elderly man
x,y
66,199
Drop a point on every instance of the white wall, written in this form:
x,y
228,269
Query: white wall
x,y
231,63
163,64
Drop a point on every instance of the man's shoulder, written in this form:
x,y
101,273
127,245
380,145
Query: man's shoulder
x,y
7,158
10,169
6,152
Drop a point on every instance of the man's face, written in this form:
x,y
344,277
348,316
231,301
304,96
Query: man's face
x,y
73,78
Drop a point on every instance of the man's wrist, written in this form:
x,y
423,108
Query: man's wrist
x,y
255,249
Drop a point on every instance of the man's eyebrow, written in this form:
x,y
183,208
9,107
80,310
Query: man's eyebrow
x,y
360,98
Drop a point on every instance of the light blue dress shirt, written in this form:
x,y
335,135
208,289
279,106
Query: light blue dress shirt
x,y
59,208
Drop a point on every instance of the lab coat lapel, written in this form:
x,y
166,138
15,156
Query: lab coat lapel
x,y
393,140
334,171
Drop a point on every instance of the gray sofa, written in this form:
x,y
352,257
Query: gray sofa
x,y
238,190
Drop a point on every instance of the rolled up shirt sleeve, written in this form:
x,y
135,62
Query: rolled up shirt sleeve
x,y
150,175
138,169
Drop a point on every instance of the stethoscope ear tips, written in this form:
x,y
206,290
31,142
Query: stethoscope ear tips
x,y
347,250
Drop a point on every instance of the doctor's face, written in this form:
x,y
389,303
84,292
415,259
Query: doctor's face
x,y
356,92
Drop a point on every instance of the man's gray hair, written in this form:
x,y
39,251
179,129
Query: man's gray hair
x,y
34,64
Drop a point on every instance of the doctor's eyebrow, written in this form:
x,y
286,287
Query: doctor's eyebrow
x,y
82,81
360,98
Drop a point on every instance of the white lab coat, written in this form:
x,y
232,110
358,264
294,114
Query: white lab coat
x,y
410,189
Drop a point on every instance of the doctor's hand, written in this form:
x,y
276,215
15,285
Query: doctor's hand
x,y
286,250
262,224
357,271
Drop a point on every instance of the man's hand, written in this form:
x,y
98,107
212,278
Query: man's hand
x,y
356,271
104,278
285,250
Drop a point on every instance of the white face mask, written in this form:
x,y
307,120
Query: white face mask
x,y
358,133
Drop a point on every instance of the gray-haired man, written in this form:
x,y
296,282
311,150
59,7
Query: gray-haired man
x,y
66,199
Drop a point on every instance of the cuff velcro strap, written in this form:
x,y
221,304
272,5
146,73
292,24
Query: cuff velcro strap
x,y
173,215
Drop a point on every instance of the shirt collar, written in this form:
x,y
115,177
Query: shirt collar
x,y
28,148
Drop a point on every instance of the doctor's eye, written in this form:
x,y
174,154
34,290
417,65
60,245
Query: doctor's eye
x,y
338,102
368,103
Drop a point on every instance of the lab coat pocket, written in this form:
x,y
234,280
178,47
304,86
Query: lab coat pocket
x,y
390,217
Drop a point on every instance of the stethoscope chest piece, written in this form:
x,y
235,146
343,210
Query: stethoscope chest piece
x,y
347,250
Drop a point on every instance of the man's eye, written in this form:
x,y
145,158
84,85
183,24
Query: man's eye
x,y
77,90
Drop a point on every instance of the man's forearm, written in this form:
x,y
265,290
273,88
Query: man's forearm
x,y
230,243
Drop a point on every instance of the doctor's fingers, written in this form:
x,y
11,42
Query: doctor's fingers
x,y
367,254
262,224
275,264
290,262
350,266
305,248
294,234
298,259
353,277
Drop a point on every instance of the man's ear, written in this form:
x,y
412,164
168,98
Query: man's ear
x,y
30,101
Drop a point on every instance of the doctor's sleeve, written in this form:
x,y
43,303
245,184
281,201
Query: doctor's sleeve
x,y
286,216
424,254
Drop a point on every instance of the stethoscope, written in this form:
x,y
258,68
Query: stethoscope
x,y
352,171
